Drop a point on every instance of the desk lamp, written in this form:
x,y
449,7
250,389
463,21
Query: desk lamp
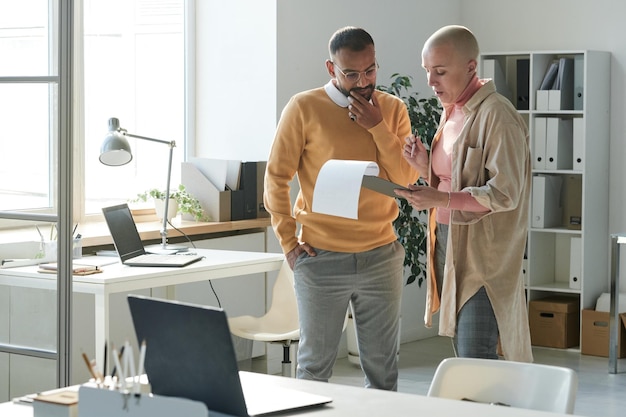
x,y
115,151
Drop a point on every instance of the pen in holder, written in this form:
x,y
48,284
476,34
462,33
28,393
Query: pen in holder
x,y
125,377
125,395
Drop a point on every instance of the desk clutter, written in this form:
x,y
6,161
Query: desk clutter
x,y
52,268
227,190
96,401
83,266
40,251
126,392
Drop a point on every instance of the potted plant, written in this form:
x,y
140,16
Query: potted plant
x,y
185,203
424,114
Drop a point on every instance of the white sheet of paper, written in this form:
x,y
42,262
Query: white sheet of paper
x,y
233,169
214,169
221,172
338,187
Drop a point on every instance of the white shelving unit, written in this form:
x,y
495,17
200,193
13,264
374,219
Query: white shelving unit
x,y
549,263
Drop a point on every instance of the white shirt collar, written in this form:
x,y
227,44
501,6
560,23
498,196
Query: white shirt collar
x,y
335,95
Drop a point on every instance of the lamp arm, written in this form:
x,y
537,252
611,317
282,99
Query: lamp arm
x,y
171,144
167,142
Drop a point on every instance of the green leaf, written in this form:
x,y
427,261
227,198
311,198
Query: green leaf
x,y
424,114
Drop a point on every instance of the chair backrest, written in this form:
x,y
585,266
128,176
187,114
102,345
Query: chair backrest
x,y
283,311
517,384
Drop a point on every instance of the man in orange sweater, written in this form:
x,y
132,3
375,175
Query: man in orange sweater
x,y
337,260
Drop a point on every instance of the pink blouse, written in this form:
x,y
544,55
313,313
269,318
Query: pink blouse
x,y
442,156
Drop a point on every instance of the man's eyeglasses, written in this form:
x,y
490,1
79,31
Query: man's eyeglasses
x,y
355,76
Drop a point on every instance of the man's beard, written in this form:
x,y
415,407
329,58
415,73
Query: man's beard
x,y
366,92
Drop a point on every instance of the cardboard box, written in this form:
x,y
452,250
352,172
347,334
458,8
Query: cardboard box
x,y
595,340
555,322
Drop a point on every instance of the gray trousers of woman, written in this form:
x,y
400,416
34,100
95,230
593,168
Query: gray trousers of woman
x,y
476,326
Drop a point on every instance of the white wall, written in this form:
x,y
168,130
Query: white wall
x,y
399,28
235,78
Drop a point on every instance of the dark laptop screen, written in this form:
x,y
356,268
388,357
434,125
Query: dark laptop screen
x,y
123,230
189,353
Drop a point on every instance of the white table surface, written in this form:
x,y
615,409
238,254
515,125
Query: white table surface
x,y
117,278
356,401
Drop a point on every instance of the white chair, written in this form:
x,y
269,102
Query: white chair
x,y
279,324
517,384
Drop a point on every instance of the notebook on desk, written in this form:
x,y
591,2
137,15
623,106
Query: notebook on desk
x,y
190,354
129,245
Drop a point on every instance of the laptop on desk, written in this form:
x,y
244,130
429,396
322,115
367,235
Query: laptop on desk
x,y
190,354
129,245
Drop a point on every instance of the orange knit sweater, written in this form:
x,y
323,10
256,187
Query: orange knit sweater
x,y
312,130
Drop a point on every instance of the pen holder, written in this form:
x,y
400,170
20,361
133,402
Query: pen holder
x,y
102,402
77,248
48,250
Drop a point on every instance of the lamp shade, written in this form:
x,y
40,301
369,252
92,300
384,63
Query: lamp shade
x,y
115,149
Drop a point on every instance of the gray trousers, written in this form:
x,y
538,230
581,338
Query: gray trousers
x,y
476,326
325,284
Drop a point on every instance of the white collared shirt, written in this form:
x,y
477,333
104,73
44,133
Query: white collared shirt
x,y
335,95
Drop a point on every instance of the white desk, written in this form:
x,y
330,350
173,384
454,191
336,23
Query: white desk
x,y
118,278
349,400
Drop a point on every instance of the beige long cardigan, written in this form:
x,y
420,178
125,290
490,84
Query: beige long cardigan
x,y
490,160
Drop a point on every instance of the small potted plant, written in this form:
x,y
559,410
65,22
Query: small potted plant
x,y
180,202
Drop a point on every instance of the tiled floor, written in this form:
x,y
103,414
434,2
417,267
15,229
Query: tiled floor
x,y
600,394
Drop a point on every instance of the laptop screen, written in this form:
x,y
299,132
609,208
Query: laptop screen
x,y
189,353
124,231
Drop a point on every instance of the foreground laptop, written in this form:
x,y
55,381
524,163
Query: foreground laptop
x,y
129,245
190,354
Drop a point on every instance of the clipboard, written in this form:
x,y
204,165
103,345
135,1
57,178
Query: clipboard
x,y
381,185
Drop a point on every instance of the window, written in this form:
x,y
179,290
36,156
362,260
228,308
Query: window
x,y
131,66
133,70
28,100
